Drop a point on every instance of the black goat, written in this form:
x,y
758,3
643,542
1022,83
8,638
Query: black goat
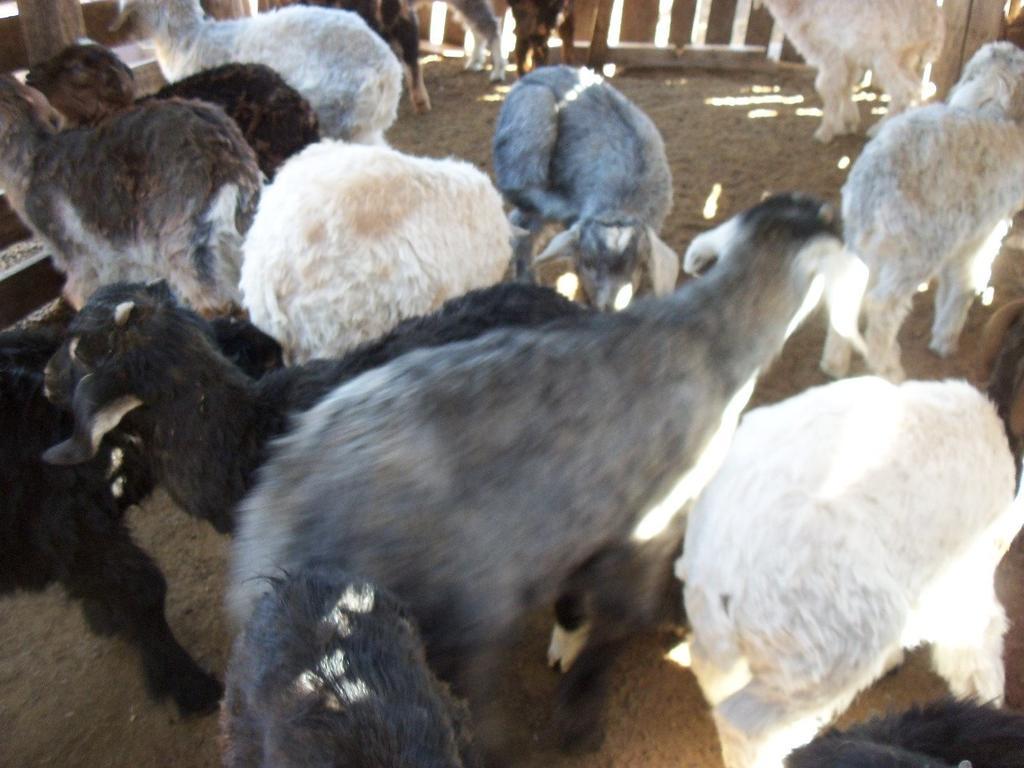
x,y
330,670
943,734
223,422
64,525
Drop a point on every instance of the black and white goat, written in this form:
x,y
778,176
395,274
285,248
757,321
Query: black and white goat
x,y
330,670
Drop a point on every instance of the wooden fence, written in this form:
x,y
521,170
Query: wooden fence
x,y
715,34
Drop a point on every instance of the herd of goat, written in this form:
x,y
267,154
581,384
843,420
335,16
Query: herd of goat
x,y
336,353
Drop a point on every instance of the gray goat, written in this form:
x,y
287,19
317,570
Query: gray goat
x,y
165,189
482,480
571,149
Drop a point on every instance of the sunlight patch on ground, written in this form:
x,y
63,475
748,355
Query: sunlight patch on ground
x,y
608,70
844,163
711,204
808,112
756,114
748,101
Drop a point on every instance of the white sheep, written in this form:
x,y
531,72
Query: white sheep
x,y
841,39
846,524
347,72
929,198
353,239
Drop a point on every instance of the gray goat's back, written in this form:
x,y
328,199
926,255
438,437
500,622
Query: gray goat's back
x,y
456,476
570,131
933,180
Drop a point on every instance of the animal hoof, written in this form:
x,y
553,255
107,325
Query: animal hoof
x,y
420,106
565,646
475,66
497,76
944,348
824,135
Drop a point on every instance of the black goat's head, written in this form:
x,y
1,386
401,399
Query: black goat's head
x,y
131,345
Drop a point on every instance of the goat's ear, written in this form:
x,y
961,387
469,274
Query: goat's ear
x,y
97,409
159,289
561,246
664,266
992,338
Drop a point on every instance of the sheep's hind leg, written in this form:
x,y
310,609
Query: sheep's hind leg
x,y
758,727
974,666
885,314
497,60
900,83
953,299
832,84
122,592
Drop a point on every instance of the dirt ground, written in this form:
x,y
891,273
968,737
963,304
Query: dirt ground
x,y
70,699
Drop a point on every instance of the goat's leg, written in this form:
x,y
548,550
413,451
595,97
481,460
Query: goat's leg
x,y
570,632
529,226
626,592
407,32
900,83
497,60
835,355
953,299
832,84
122,592
582,693
885,311
850,110
758,727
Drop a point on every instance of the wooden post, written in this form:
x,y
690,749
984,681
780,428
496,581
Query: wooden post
x,y
720,22
969,25
47,26
226,9
639,20
598,54
682,22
